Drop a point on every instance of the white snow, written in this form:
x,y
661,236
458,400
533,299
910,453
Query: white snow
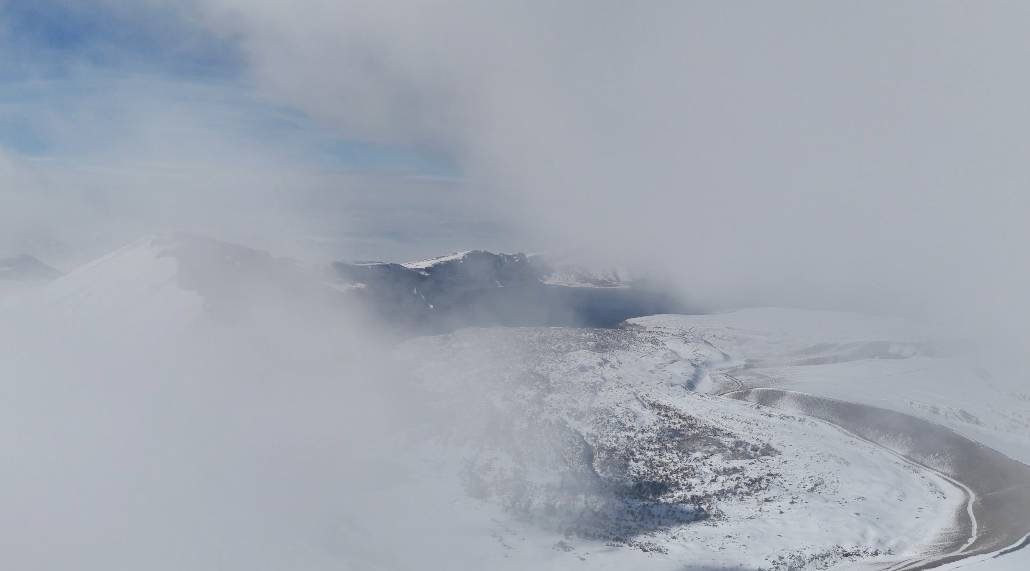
x,y
832,492
425,264
873,360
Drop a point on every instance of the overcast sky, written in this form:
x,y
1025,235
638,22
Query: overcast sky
x,y
866,155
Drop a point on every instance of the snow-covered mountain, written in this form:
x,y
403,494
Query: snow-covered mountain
x,y
735,440
609,449
628,445
476,287
440,294
184,274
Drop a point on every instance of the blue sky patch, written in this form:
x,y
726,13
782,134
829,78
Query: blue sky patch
x,y
59,59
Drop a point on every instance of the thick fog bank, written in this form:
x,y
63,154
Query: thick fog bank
x,y
173,405
866,157
863,157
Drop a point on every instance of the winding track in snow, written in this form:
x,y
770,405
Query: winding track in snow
x,y
996,518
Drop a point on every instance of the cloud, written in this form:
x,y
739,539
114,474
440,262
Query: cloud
x,y
858,157
866,157
862,157
94,157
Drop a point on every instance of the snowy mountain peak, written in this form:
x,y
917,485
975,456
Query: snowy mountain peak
x,y
496,269
431,262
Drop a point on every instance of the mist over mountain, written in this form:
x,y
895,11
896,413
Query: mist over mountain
x,y
482,288
449,284
26,268
622,445
473,288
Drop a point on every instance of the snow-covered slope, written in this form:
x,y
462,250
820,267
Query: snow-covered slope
x,y
218,380
180,275
879,361
887,363
589,448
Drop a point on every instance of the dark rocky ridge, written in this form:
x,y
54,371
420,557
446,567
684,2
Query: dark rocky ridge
x,y
479,288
